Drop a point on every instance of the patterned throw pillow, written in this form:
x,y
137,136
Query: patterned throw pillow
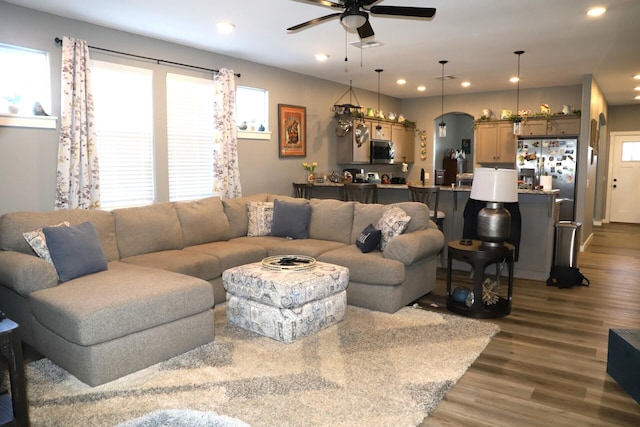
x,y
368,239
38,243
260,218
394,222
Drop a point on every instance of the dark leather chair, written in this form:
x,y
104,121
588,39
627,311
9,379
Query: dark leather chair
x,y
303,190
361,192
430,197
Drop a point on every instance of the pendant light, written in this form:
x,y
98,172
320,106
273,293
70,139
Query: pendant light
x,y
378,127
517,121
442,126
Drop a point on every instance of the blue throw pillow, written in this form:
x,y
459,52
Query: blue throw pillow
x,y
75,251
291,219
368,239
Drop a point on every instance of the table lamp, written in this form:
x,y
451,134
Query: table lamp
x,y
496,187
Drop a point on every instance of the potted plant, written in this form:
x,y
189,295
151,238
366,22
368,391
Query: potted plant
x,y
13,103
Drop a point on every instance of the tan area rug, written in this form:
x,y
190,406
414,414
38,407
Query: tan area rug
x,y
373,369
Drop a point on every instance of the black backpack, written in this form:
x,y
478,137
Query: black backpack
x,y
566,277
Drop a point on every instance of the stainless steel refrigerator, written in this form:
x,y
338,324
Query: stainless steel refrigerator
x,y
554,157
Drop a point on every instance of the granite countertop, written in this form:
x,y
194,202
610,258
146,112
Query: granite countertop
x,y
442,188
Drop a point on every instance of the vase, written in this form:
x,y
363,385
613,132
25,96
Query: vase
x,y
311,178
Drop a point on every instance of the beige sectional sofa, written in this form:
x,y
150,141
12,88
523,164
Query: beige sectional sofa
x,y
155,299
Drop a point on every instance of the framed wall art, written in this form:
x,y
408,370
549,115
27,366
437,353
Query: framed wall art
x,y
292,130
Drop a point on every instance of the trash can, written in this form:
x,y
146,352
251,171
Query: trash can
x,y
567,243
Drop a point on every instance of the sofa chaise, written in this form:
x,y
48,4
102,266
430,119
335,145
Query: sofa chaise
x,y
154,296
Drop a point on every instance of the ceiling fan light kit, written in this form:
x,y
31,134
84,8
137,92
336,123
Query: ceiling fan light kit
x,y
354,20
356,14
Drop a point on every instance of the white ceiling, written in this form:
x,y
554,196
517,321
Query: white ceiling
x,y
477,37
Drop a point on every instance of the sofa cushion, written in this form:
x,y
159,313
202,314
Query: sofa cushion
x,y
419,213
394,222
282,246
363,215
369,239
38,242
75,251
14,224
203,221
331,220
119,301
236,211
146,229
231,253
371,267
194,264
260,216
291,219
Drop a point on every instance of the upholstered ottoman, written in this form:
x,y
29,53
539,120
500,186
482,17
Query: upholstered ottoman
x,y
286,305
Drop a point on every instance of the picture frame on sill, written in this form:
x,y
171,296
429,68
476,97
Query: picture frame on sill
x,y
292,130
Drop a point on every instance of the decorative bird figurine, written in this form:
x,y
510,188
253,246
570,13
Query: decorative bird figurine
x,y
38,110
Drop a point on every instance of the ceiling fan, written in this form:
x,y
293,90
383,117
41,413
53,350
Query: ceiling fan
x,y
355,16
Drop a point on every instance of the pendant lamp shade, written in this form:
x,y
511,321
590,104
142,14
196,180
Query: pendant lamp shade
x,y
442,126
517,121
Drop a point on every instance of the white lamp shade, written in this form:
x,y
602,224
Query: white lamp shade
x,y
495,185
355,20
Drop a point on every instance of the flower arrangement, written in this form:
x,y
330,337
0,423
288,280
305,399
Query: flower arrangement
x,y
457,154
310,167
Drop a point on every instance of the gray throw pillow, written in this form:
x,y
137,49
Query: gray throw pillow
x,y
75,251
291,219
368,239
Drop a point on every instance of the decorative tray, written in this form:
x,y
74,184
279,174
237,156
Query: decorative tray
x,y
289,263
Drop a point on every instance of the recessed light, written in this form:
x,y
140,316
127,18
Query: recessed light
x,y
422,88
596,11
636,88
637,77
637,97
514,80
465,84
401,81
321,57
225,27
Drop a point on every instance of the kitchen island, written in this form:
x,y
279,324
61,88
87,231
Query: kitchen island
x,y
538,210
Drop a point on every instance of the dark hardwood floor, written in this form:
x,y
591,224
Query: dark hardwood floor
x,y
547,365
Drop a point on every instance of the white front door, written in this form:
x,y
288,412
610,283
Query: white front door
x,y
624,182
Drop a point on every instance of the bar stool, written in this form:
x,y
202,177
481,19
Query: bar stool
x,y
361,192
303,190
430,197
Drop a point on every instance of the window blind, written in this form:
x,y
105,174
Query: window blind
x,y
123,105
190,136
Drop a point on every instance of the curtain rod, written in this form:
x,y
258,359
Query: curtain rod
x,y
58,41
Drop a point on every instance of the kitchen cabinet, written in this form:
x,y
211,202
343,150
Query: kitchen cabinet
x,y
351,151
531,127
553,126
564,126
495,142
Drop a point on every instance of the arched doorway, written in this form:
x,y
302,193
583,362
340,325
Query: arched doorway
x,y
459,137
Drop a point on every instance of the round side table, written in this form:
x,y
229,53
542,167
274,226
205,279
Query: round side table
x,y
480,256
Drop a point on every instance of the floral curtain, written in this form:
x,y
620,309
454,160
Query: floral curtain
x,y
226,172
77,181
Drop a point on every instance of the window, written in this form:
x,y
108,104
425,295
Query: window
x,y
630,151
190,137
124,133
252,112
25,86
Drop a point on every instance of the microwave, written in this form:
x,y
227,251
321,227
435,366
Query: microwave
x,y
382,151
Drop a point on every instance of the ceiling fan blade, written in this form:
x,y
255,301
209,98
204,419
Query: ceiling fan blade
x,y
419,12
313,22
369,2
366,30
323,3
